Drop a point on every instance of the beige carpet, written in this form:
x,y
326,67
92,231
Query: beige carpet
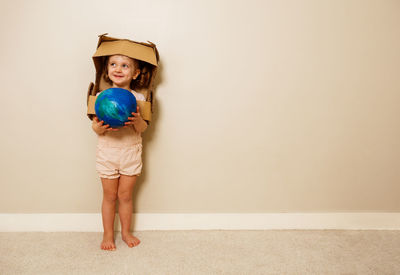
x,y
204,252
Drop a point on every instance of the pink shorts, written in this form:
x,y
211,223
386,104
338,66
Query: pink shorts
x,y
111,162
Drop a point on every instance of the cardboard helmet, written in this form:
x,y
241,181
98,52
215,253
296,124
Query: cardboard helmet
x,y
145,53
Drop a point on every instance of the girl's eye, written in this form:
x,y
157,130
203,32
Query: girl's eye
x,y
112,64
125,66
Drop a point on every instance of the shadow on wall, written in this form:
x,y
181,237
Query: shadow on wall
x,y
148,136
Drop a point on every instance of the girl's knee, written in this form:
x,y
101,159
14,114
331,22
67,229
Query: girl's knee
x,y
124,196
110,196
110,189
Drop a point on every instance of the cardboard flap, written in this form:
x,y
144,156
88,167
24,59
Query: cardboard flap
x,y
125,47
145,109
90,106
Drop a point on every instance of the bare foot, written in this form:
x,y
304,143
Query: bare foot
x,y
130,240
108,242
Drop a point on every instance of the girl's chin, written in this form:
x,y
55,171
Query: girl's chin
x,y
120,85
119,81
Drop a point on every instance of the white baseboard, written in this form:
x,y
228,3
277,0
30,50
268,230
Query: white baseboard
x,y
222,221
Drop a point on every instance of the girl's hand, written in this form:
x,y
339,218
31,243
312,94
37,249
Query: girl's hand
x,y
99,127
137,121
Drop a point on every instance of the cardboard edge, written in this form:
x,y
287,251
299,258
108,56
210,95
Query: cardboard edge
x,y
89,94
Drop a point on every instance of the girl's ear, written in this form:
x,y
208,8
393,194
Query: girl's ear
x,y
136,74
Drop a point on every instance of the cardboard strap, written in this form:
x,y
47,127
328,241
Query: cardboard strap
x,y
144,108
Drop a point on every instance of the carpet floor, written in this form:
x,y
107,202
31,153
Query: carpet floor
x,y
204,252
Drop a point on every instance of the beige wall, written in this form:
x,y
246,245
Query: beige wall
x,y
262,106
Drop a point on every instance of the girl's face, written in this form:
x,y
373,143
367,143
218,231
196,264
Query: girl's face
x,y
121,71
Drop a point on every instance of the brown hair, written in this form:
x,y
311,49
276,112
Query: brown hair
x,y
143,79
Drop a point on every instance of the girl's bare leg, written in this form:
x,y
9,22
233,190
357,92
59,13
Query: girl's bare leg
x,y
125,189
110,191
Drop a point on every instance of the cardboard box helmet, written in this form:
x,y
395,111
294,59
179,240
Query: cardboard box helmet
x,y
145,53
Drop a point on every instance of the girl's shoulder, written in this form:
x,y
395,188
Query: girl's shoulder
x,y
139,96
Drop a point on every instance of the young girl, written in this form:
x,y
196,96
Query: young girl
x,y
118,157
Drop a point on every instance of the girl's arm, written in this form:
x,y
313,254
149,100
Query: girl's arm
x,y
137,121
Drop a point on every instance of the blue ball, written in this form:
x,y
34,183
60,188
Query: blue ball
x,y
114,106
